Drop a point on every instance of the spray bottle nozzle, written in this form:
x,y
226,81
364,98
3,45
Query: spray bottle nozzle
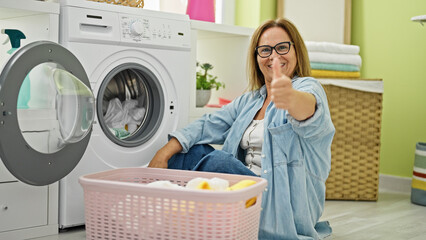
x,y
15,37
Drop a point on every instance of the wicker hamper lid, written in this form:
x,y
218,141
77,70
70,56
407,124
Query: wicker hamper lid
x,y
130,3
360,85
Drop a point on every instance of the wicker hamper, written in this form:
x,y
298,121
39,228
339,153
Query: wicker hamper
x,y
355,150
130,3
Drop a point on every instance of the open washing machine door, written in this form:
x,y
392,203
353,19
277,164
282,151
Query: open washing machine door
x,y
47,110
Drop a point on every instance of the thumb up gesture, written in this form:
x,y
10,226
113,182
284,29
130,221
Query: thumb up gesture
x,y
282,92
300,105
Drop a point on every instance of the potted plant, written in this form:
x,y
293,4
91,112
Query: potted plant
x,y
205,82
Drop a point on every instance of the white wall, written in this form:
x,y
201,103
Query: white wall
x,y
225,9
317,20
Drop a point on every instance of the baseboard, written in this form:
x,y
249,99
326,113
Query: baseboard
x,y
389,183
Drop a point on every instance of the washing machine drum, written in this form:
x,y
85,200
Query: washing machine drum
x,y
47,113
130,104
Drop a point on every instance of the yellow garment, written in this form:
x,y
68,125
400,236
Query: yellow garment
x,y
334,74
204,185
243,184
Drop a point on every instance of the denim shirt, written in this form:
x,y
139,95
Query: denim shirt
x,y
296,157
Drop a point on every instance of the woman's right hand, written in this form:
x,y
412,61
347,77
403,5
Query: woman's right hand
x,y
161,158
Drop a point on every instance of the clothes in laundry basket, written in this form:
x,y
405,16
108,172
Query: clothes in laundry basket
x,y
165,184
119,114
215,184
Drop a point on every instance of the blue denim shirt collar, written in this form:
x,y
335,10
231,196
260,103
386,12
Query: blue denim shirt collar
x,y
263,91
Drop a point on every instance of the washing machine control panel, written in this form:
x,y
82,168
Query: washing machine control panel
x,y
154,31
136,28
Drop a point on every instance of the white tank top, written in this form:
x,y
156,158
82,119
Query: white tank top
x,y
252,142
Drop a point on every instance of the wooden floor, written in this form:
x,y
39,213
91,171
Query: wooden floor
x,y
392,217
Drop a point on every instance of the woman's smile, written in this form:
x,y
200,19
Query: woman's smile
x,y
270,65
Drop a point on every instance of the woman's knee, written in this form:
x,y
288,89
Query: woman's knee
x,y
221,156
223,162
187,161
200,149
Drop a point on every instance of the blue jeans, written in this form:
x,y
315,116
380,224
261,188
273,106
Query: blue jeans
x,y
205,158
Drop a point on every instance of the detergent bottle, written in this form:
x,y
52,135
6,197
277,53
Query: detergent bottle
x,y
15,36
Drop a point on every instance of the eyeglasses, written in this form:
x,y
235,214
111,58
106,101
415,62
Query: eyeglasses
x,y
281,48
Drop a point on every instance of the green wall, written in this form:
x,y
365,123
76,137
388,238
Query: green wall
x,y
250,13
268,10
394,48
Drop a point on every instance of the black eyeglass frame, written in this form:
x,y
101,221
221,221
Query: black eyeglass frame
x,y
274,47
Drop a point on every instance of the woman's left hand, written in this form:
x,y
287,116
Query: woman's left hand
x,y
300,105
282,92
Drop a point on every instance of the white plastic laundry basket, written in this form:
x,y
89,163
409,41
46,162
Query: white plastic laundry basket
x,y
119,205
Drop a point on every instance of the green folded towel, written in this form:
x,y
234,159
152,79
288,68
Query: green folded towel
x,y
334,67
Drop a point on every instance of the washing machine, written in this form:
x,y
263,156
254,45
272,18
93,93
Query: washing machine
x,y
106,96
25,210
137,62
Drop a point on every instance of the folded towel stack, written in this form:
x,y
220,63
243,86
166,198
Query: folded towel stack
x,y
334,60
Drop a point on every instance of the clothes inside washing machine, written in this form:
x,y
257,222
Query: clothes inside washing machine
x,y
125,103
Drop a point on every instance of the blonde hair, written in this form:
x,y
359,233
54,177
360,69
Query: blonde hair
x,y
303,67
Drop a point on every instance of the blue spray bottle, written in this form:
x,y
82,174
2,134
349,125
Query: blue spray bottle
x,y
15,36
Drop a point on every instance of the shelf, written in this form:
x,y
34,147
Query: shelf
x,y
211,30
18,8
225,47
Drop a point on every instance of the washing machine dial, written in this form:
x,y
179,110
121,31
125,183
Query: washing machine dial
x,y
136,28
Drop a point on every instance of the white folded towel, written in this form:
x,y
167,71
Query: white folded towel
x,y
331,47
335,58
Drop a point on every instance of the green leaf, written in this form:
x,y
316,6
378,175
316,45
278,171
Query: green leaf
x,y
205,80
